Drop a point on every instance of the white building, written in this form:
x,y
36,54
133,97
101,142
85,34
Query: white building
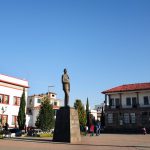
x,y
11,90
94,113
99,108
128,107
34,104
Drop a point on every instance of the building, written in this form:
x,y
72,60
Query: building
x,y
127,107
93,113
11,90
99,109
34,104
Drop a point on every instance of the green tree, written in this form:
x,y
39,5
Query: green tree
x,y
87,112
102,117
45,119
22,113
81,113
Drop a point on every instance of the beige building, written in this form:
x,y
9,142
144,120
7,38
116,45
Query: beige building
x,y
34,105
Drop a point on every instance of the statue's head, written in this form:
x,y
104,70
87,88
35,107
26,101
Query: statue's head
x,y
65,70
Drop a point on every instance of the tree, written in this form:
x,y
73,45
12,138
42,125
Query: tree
x,y
102,117
87,112
22,113
81,112
45,119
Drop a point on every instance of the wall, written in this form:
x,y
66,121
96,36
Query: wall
x,y
11,110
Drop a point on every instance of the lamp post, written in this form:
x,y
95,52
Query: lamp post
x,y
50,86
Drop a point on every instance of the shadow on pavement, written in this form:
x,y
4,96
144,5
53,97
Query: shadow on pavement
x,y
75,144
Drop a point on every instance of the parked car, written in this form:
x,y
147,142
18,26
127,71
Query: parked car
x,y
15,132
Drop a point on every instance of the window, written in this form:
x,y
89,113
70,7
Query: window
x,y
14,120
146,102
53,95
132,115
117,101
38,100
126,118
133,100
111,102
1,98
16,101
128,101
145,118
30,102
55,103
134,103
3,119
110,118
6,99
144,113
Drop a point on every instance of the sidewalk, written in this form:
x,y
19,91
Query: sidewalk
x,y
102,142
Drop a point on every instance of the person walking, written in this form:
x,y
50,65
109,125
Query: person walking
x,y
144,130
86,130
92,130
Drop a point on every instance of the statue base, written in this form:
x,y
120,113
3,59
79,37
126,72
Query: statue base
x,y
67,126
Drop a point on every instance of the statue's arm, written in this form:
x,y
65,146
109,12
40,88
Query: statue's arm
x,y
62,79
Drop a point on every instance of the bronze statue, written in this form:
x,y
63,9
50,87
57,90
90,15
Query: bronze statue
x,y
66,87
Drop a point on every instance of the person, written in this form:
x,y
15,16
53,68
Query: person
x,y
6,126
99,128
144,130
92,129
66,87
86,130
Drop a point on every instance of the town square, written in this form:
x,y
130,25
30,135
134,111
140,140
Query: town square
x,y
103,142
74,74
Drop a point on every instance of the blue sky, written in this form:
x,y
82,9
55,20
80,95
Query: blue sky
x,y
102,43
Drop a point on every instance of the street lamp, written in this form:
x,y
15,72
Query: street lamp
x,y
50,86
3,110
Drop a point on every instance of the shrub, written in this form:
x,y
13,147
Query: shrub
x,y
45,135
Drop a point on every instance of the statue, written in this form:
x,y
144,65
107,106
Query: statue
x,y
66,87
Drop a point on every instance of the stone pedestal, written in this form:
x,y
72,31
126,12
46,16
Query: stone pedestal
x,y
67,126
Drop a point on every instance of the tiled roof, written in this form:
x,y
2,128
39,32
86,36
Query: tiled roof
x,y
54,107
129,87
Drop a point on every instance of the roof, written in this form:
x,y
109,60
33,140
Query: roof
x,y
54,107
129,87
14,81
42,94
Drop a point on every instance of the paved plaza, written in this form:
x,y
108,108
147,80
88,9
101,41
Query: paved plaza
x,y
102,142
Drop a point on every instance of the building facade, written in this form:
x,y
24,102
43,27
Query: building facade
x,y
127,107
11,90
34,105
99,109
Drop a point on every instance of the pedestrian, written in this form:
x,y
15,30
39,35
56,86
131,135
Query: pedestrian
x,y
86,130
92,129
144,130
6,126
99,128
